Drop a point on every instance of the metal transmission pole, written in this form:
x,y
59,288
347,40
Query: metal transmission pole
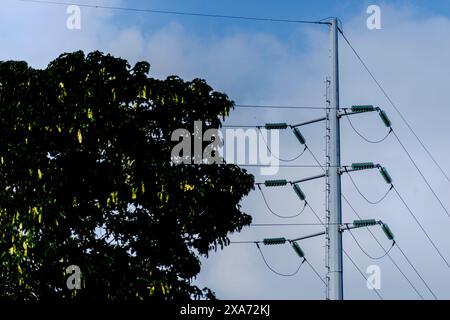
x,y
334,170
334,219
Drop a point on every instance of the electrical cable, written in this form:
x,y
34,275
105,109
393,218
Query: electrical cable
x,y
421,174
284,224
389,256
362,195
180,13
315,271
276,214
379,243
365,252
412,266
278,165
275,156
317,161
363,137
394,106
251,106
354,264
421,227
362,274
276,272
315,213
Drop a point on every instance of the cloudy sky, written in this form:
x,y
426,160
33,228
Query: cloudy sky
x,y
287,64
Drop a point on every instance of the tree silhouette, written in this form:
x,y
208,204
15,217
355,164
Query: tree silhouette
x,y
86,180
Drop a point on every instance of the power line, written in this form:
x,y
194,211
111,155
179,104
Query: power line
x,y
235,126
284,224
376,239
315,214
386,252
362,194
251,106
179,13
245,242
422,228
275,156
389,256
421,174
394,106
362,274
354,264
278,165
366,139
412,266
317,161
315,271
243,165
392,260
276,214
276,272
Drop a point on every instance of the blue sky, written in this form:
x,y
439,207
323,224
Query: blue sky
x,y
277,63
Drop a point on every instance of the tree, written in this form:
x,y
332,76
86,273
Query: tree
x,y
86,180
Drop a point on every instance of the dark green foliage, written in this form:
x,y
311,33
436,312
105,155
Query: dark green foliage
x,y
86,179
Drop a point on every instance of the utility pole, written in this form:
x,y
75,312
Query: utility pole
x,y
334,236
334,226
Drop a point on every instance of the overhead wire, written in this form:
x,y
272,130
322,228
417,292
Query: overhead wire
x,y
276,214
362,274
422,228
379,243
180,13
362,194
315,271
275,271
421,174
388,255
251,106
367,139
274,155
414,268
394,105
284,224
365,252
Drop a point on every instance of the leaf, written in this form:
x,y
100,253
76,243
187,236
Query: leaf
x,y
143,92
80,136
